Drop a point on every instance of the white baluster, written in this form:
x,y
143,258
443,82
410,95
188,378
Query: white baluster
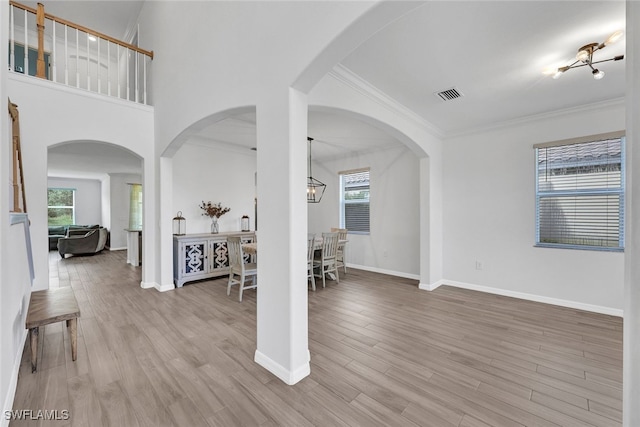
x,y
108,68
77,58
12,48
88,72
98,66
144,78
53,49
26,46
66,56
118,72
137,82
128,86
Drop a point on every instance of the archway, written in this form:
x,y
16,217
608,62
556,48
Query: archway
x,y
100,176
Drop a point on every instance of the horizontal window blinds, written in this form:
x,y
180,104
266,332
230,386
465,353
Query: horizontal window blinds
x,y
355,200
580,194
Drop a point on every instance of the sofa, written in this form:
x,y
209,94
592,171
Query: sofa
x,y
82,241
58,231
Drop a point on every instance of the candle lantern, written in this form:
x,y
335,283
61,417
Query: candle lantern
x,y
245,223
179,224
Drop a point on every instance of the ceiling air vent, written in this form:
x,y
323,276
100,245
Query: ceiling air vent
x,y
448,94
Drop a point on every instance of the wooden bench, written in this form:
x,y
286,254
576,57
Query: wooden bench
x,y
50,306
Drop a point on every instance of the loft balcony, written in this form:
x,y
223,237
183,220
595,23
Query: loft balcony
x,y
52,48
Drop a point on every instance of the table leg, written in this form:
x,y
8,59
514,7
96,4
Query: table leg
x,y
73,333
33,335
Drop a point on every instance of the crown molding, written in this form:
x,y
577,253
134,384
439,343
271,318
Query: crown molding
x,y
616,102
357,83
347,77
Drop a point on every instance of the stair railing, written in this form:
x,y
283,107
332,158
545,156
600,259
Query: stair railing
x,y
74,55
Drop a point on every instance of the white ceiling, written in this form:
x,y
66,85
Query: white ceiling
x,y
494,53
491,51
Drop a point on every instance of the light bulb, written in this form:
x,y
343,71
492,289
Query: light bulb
x,y
557,75
614,37
582,55
597,74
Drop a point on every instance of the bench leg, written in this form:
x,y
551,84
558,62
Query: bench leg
x,y
33,335
73,333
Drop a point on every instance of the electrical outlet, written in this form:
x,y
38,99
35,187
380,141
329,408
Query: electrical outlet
x,y
479,265
385,254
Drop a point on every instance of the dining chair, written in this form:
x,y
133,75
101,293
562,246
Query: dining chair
x,y
342,242
237,267
326,262
311,241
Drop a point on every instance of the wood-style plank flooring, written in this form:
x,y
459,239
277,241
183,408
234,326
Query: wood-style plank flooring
x,y
383,353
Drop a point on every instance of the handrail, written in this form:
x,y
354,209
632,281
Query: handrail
x,y
148,53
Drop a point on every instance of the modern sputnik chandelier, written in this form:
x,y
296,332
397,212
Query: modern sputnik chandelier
x,y
584,58
315,188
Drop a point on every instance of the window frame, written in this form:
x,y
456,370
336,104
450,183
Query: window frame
x,y
595,192
344,202
73,208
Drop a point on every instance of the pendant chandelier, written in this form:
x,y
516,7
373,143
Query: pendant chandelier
x,y
315,188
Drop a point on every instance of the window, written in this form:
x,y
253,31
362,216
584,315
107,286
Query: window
x,y
61,206
354,200
580,193
135,207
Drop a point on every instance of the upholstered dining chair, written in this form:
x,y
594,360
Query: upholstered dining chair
x,y
326,262
237,267
342,242
311,242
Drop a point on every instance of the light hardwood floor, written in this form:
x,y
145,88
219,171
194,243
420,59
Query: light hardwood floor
x,y
383,353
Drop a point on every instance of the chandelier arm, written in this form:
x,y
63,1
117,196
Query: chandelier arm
x,y
576,66
610,59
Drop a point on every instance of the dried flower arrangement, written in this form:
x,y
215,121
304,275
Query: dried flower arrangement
x,y
213,209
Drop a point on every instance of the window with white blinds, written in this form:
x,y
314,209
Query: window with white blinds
x,y
354,201
580,194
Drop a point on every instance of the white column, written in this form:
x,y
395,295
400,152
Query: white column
x,y
282,345
166,225
425,247
150,229
431,221
631,370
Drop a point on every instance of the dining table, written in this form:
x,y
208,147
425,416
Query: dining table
x,y
252,247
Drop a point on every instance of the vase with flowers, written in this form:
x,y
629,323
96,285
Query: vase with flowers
x,y
213,211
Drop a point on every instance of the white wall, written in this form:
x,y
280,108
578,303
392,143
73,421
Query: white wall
x,y
88,198
249,56
45,120
217,175
393,244
119,212
489,215
14,289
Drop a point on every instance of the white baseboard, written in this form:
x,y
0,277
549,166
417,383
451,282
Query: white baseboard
x,y
118,249
13,383
431,287
537,298
157,286
383,271
288,377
